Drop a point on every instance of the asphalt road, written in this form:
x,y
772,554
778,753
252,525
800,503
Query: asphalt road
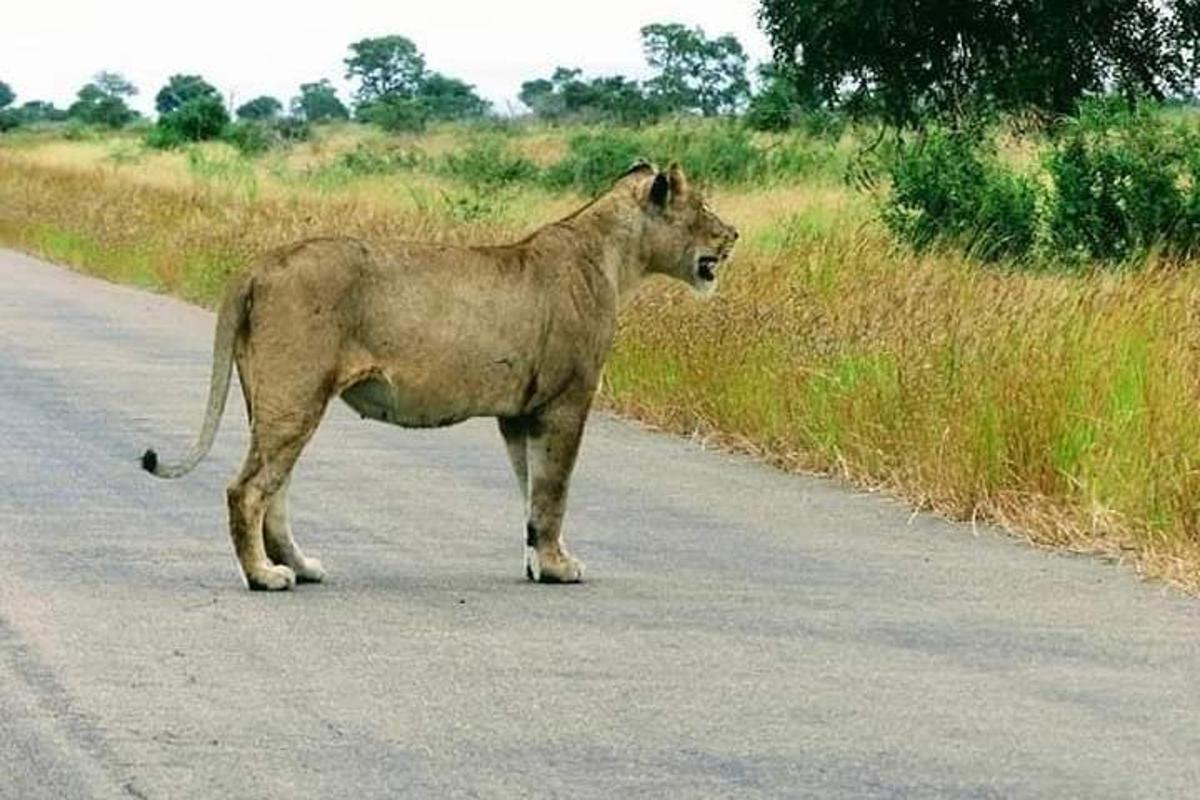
x,y
743,633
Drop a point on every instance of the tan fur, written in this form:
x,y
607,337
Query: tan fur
x,y
424,335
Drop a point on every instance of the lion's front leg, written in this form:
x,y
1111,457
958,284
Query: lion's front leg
x,y
552,446
515,431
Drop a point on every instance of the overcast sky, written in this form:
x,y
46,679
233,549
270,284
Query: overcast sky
x,y
49,48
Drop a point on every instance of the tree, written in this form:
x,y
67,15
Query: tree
x,y
540,97
190,109
9,118
915,58
40,111
565,93
396,92
450,98
262,108
695,73
387,66
318,102
180,89
102,101
200,118
774,106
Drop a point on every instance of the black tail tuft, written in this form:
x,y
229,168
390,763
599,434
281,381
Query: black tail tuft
x,y
150,461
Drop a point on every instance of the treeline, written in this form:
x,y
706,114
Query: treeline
x,y
692,74
904,63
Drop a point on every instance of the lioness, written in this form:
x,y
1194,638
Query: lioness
x,y
425,335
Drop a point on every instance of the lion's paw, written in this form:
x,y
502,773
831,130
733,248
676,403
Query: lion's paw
x,y
271,579
552,568
310,570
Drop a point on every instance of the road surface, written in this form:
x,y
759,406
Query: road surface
x,y
744,633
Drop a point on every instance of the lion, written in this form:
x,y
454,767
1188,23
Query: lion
x,y
429,335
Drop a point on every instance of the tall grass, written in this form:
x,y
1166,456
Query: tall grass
x,y
1060,405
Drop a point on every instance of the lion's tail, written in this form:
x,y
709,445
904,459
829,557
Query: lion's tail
x,y
230,319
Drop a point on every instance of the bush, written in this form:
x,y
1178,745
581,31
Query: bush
x,y
250,137
948,187
594,160
720,153
799,157
293,129
1117,174
196,120
490,161
822,123
367,160
79,131
396,114
254,137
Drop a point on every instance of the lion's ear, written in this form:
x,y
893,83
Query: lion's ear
x,y
639,165
679,182
660,190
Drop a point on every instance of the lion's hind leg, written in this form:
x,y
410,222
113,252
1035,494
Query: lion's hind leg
x,y
281,546
284,421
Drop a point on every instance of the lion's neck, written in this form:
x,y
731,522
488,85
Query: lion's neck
x,y
607,236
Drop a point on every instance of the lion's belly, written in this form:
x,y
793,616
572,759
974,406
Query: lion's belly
x,y
428,404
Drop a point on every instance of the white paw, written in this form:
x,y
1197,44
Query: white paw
x,y
310,570
563,569
271,579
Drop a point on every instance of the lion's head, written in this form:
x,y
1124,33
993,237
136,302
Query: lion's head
x,y
684,238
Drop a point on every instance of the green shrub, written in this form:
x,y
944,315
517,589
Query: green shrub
x,y
164,137
720,153
292,129
1117,191
1185,237
489,161
366,159
593,160
822,123
396,114
254,137
949,187
77,131
250,137
798,157
713,153
196,120
774,108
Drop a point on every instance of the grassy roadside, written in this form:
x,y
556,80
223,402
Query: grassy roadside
x,y
1061,406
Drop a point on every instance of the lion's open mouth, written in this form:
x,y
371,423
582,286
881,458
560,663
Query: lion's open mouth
x,y
706,266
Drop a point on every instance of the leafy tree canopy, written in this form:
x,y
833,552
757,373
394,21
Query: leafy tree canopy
x,y
566,94
450,98
318,102
102,101
397,92
180,89
263,108
386,66
695,73
40,111
7,95
201,117
914,58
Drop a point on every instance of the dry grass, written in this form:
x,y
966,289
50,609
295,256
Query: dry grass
x,y
1062,407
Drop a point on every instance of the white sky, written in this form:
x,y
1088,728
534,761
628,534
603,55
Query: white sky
x,y
49,48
